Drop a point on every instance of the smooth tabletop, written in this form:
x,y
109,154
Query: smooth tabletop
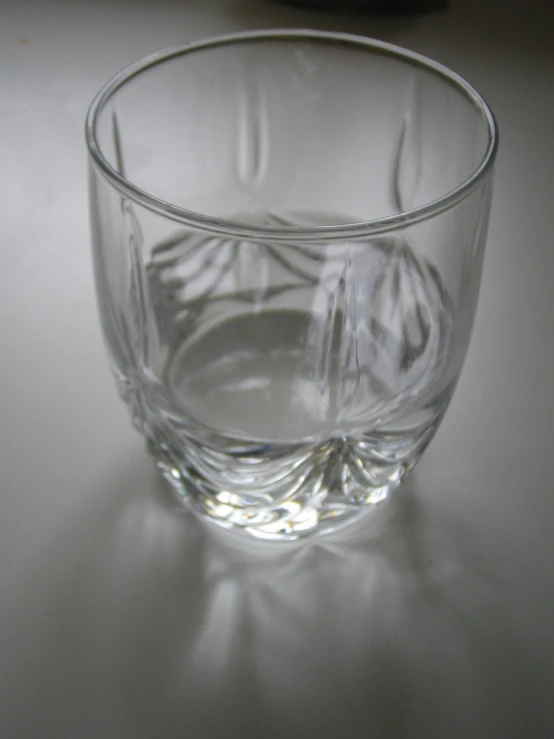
x,y
123,617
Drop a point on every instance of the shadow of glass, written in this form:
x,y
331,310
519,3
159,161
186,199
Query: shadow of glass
x,y
138,620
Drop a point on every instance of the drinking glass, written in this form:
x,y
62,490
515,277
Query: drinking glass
x,y
288,231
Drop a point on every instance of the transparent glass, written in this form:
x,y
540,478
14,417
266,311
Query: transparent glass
x,y
288,230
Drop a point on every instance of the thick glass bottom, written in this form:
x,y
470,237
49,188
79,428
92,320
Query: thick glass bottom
x,y
286,492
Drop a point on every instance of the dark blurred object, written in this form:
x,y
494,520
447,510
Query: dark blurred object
x,y
371,6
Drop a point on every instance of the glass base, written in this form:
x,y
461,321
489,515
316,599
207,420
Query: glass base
x,y
306,509
278,491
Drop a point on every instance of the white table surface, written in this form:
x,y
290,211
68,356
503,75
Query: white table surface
x,y
122,617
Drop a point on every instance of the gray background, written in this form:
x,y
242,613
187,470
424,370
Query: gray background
x,y
121,617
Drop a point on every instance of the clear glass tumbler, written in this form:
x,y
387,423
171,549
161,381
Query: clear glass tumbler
x,y
288,230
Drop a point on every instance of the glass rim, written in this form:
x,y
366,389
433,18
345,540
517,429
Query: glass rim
x,y
229,227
